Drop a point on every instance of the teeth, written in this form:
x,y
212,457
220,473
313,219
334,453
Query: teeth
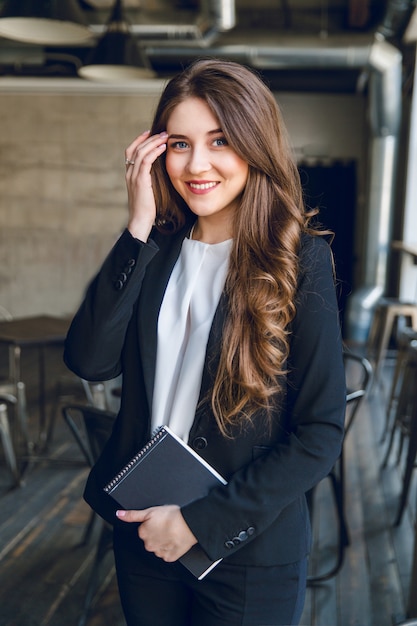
x,y
202,186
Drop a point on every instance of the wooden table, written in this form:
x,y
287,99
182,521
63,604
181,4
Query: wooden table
x,y
41,332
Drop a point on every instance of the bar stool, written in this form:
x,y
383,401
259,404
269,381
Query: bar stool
x,y
387,312
405,423
404,339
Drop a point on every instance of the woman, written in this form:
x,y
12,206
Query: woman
x,y
218,306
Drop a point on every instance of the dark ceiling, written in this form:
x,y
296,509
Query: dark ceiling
x,y
266,22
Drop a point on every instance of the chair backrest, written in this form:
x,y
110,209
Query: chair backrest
x,y
358,381
97,425
103,394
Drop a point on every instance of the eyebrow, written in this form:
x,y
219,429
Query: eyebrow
x,y
211,132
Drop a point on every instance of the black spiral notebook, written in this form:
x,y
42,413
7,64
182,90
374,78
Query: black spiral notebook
x,y
167,471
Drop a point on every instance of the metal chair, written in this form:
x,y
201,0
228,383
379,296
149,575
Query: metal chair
x,y
13,395
6,439
91,428
359,375
100,394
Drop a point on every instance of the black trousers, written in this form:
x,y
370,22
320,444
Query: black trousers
x,y
155,593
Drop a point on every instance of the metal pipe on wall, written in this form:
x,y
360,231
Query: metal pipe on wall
x,y
385,107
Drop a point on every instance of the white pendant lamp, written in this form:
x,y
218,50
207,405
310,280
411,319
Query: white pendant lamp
x,y
117,56
44,22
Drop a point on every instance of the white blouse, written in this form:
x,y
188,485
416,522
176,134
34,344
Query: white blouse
x,y
190,301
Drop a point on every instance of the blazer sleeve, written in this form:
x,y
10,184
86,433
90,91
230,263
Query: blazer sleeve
x,y
257,494
96,336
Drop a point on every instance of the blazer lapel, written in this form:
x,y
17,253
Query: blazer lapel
x,y
151,296
215,339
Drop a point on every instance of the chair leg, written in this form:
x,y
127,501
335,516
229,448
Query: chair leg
x,y
411,457
22,415
78,437
339,493
104,545
395,387
387,324
89,528
6,440
400,411
336,477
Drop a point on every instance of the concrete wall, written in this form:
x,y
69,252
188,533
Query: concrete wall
x,y
62,190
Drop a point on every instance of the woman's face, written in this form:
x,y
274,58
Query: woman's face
x,y
203,168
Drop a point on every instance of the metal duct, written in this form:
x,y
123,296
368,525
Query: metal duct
x,y
385,108
216,16
221,12
396,19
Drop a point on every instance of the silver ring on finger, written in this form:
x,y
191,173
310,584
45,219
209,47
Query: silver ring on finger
x,y
129,162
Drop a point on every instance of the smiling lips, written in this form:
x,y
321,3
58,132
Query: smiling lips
x,y
201,187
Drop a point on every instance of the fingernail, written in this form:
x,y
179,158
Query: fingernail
x,y
163,134
120,513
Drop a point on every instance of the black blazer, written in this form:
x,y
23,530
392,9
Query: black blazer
x,y
260,517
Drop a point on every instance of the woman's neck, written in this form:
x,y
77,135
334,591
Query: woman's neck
x,y
209,232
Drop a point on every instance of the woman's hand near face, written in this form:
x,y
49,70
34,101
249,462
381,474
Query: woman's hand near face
x,y
140,156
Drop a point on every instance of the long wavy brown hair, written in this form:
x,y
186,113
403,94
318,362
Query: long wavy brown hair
x,y
262,277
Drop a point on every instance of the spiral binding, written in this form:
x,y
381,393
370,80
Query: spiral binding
x,y
156,435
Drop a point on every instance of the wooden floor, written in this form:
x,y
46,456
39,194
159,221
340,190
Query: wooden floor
x,y
44,570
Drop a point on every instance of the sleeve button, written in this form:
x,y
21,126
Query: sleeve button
x,y
200,443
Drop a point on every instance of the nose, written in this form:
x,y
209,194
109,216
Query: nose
x,y
199,160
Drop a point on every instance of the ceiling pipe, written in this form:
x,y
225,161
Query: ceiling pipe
x,y
221,13
294,53
217,16
385,108
396,19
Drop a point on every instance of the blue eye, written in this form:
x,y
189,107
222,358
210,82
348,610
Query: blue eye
x,y
220,141
179,145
